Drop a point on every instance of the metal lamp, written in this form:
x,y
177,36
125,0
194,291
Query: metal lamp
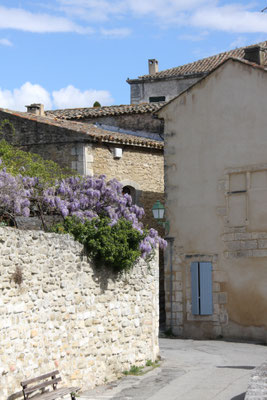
x,y
158,210
158,213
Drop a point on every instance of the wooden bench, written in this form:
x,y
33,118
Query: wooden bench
x,y
43,391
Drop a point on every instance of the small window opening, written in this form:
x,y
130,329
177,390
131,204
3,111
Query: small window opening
x,y
131,191
156,99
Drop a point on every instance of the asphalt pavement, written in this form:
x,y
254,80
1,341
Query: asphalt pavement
x,y
190,370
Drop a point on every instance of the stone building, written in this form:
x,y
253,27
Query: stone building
x,y
133,156
165,85
136,161
136,119
216,202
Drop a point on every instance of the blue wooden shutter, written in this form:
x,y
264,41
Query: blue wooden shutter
x,y
195,288
205,279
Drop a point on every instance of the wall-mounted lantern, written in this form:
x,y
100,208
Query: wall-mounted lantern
x,y
158,213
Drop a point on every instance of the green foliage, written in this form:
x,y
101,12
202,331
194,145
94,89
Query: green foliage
x,y
116,246
24,163
7,127
134,370
97,104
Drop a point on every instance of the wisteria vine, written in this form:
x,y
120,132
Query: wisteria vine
x,y
83,197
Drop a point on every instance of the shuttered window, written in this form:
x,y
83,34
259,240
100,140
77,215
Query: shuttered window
x,y
201,287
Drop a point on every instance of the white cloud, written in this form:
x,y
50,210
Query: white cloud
x,y
118,33
17,18
5,42
205,14
231,18
93,10
28,93
69,97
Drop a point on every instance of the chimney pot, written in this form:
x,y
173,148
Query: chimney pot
x,y
153,66
255,54
36,109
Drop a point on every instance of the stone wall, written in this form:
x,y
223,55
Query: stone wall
x,y
88,323
133,122
141,91
257,388
52,142
137,167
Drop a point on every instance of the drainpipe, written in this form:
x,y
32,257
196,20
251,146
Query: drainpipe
x,y
170,241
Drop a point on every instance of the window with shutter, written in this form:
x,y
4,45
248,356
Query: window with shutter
x,y
201,288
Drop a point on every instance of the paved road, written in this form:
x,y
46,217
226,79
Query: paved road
x,y
191,370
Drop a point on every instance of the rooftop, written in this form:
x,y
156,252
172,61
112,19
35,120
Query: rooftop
x,y
203,66
204,77
95,112
90,131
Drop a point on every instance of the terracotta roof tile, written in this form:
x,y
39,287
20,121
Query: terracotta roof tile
x,y
202,66
95,134
95,112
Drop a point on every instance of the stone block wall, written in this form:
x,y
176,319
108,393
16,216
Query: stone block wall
x,y
50,141
184,323
245,244
90,324
139,168
133,122
257,388
142,90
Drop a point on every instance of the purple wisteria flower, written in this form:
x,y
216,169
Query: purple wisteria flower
x,y
84,197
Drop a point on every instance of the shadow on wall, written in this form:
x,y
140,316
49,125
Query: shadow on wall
x,y
146,200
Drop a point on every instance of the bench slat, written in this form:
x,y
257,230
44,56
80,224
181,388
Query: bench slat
x,y
56,393
42,385
39,378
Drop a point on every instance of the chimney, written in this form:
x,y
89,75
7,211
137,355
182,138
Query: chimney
x,y
255,54
36,109
153,66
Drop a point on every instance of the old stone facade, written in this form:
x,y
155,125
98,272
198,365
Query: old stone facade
x,y
167,84
135,118
91,151
90,324
145,90
216,190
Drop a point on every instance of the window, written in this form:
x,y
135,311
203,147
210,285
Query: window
x,y
201,287
156,99
131,191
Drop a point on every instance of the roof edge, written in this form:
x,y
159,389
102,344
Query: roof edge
x,y
229,59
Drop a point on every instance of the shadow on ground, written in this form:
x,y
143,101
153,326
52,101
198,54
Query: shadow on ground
x,y
241,396
237,366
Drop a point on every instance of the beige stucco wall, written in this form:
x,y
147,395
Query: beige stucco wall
x,y
215,144
89,323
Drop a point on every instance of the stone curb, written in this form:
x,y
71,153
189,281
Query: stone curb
x,y
257,388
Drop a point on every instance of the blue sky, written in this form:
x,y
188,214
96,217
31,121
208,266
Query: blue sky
x,y
69,53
